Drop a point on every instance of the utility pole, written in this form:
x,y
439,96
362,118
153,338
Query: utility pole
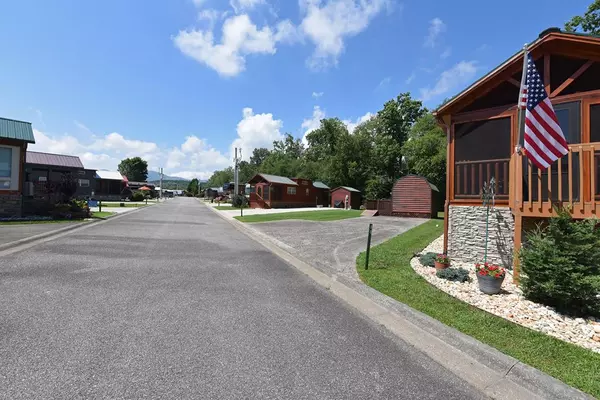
x,y
236,170
161,183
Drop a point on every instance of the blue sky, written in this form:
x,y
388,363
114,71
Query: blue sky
x,y
180,82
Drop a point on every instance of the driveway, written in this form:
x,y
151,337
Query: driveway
x,y
333,246
172,302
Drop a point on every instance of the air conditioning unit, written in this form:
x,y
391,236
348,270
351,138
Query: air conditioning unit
x,y
28,189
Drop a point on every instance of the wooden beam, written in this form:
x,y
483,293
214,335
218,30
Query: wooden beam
x,y
572,78
514,81
547,72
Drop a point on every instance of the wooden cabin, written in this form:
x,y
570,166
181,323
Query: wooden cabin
x,y
482,130
272,191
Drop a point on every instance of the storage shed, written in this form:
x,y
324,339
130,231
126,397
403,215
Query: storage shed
x,y
414,196
338,196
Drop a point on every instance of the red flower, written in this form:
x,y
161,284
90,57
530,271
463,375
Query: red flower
x,y
482,272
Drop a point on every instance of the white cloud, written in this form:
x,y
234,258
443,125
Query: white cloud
x,y
240,37
384,82
198,3
328,23
245,5
353,124
436,27
312,123
446,53
286,32
450,80
410,79
194,154
317,95
255,131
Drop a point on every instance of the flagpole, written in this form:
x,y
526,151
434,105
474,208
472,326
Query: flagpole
x,y
521,110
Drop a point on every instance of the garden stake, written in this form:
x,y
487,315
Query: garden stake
x,y
368,246
488,195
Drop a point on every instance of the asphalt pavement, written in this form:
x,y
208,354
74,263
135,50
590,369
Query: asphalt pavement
x,y
13,232
172,302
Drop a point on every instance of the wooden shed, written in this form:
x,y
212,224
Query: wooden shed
x,y
414,196
338,196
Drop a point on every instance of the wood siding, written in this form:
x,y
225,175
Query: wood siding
x,y
340,195
412,196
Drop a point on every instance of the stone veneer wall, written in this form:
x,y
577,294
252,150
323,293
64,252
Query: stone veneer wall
x,y
10,205
466,234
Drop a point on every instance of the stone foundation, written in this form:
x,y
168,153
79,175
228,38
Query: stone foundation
x,y
466,234
10,205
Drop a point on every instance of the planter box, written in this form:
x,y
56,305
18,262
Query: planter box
x,y
439,265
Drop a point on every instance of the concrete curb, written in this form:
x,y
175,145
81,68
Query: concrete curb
x,y
22,244
493,373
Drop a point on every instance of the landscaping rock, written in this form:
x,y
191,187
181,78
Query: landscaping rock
x,y
511,305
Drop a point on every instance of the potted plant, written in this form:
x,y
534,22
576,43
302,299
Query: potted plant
x,y
442,261
490,277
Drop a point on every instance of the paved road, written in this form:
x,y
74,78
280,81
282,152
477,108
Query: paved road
x,y
171,302
13,232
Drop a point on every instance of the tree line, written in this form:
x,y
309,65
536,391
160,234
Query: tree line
x,y
402,138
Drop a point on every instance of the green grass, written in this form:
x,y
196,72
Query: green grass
x,y
390,273
51,221
102,214
328,215
225,208
125,205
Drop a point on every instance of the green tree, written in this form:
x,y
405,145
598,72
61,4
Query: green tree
x,y
135,169
193,187
258,156
588,22
246,171
425,151
219,178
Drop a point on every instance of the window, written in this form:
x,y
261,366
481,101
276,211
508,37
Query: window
x,y
291,190
9,168
569,119
84,183
5,167
482,140
308,192
595,123
81,173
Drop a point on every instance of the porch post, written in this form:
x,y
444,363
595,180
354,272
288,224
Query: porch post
x,y
517,246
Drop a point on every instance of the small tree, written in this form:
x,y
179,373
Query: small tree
x,y
135,169
561,265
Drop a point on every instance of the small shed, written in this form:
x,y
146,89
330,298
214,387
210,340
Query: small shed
x,y
321,193
338,197
415,196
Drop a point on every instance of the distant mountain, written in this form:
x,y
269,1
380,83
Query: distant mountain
x,y
155,176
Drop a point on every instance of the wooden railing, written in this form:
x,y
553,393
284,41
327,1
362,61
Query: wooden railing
x,y
471,175
257,201
572,181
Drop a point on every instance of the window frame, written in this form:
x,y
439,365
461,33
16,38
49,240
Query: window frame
x,y
87,185
15,170
291,190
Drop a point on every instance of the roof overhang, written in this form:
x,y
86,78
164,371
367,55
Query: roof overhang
x,y
552,41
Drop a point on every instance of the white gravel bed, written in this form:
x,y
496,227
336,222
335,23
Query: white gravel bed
x,y
511,305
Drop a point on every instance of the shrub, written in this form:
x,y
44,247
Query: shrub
x,y
138,196
428,259
453,274
560,265
239,201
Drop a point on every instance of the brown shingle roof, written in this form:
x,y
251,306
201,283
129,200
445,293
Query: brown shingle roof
x,y
56,160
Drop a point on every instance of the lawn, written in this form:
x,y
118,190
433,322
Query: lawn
x,y
101,214
390,273
49,221
113,205
327,215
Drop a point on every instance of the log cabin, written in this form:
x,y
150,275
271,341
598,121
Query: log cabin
x,y
481,124
272,191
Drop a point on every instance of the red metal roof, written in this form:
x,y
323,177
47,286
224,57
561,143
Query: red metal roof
x,y
57,160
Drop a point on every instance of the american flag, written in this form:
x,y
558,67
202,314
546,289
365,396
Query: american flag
x,y
544,140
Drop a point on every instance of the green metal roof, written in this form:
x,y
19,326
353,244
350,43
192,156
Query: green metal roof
x,y
16,130
320,185
348,188
278,179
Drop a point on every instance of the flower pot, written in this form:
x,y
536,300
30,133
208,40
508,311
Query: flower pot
x,y
489,284
439,265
